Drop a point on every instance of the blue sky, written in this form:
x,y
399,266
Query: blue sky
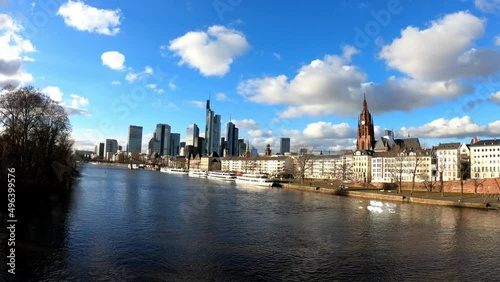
x,y
298,69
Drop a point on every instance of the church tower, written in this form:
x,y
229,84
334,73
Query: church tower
x,y
366,136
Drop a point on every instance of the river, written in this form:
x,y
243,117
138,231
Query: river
x,y
128,225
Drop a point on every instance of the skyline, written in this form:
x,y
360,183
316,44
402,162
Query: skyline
x,y
300,74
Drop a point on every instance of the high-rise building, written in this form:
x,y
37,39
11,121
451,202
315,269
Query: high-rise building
x,y
175,144
153,145
366,135
284,145
242,147
134,139
192,134
163,136
99,150
212,131
110,148
231,139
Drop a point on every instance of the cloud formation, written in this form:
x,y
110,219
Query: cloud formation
x,y
488,6
415,52
211,52
75,106
114,60
13,47
87,18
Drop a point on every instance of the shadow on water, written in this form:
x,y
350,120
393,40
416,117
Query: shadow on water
x,y
40,233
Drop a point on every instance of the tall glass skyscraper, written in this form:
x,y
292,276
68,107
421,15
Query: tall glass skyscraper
x,y
163,135
175,144
134,139
284,145
192,134
231,139
212,131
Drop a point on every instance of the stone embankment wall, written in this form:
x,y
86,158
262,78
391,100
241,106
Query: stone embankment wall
x,y
481,186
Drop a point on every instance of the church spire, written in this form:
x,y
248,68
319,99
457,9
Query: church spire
x,y
366,134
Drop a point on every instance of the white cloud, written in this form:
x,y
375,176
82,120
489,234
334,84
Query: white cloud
x,y
78,101
133,76
151,86
260,133
277,56
415,52
497,40
246,124
76,106
488,6
198,104
221,97
323,129
454,128
12,49
113,59
495,97
116,82
54,93
172,86
87,18
210,52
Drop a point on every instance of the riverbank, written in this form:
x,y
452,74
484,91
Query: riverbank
x,y
477,201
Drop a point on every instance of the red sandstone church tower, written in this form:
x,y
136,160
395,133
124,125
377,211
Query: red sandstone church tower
x,y
366,136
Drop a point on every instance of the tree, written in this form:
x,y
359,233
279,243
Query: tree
x,y
416,159
303,162
36,131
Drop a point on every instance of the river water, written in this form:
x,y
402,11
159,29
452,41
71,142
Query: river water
x,y
139,225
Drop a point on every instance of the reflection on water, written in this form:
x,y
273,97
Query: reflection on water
x,y
146,225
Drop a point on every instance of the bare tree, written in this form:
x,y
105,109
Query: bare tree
x,y
37,133
416,159
302,162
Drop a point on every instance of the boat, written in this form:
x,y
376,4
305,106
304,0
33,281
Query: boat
x,y
197,173
133,166
258,179
174,170
222,175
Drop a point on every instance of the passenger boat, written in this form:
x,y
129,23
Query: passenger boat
x,y
254,179
197,173
174,170
222,175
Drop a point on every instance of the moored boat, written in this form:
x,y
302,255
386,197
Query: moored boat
x,y
222,175
254,179
174,170
197,173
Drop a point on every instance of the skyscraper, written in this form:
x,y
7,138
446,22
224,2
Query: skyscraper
x,y
110,148
212,131
231,139
284,145
192,134
134,139
163,135
175,144
153,145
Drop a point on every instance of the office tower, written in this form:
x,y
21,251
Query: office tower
x,y
231,139
192,134
110,148
134,139
200,146
99,150
254,152
223,146
242,147
284,145
163,136
175,144
212,131
153,145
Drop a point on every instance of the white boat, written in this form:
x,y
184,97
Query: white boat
x,y
254,179
174,170
197,173
222,175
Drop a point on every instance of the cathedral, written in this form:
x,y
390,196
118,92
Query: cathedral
x,y
366,135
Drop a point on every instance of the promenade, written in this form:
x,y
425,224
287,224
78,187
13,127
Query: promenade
x,y
478,201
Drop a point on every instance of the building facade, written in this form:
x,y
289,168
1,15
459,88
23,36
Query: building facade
x,y
134,139
278,165
447,155
231,140
175,144
162,134
284,145
192,134
485,159
110,148
212,131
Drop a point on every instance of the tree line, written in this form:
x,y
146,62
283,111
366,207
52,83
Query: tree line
x,y
35,141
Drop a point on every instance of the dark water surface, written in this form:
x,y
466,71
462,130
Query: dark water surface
x,y
149,226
